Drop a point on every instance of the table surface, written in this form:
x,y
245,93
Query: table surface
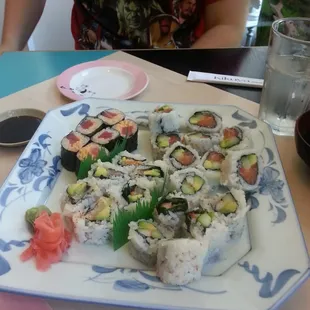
x,y
165,86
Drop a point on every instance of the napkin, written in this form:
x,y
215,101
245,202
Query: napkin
x,y
18,302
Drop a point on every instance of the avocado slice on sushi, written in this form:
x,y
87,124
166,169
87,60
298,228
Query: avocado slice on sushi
x,y
228,204
165,140
184,156
147,229
231,137
199,216
133,193
203,119
248,168
77,190
150,171
192,185
198,135
101,211
172,205
213,161
127,161
205,220
101,173
164,109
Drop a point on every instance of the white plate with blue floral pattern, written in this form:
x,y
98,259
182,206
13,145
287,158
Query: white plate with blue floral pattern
x,y
276,264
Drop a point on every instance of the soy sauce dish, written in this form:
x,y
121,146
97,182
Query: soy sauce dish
x,y
302,137
18,126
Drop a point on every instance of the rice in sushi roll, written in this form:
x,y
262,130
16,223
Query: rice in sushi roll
x,y
180,261
91,150
128,129
89,125
191,183
211,163
110,117
70,146
170,215
164,119
205,121
151,176
235,138
201,142
180,156
106,137
143,241
242,170
129,161
162,141
94,225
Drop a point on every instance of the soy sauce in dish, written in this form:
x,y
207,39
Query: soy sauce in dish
x,y
18,128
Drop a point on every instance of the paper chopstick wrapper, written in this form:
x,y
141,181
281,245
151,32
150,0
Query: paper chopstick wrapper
x,y
203,77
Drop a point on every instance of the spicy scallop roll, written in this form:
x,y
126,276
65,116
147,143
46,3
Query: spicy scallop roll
x,y
160,142
242,169
191,183
106,137
235,139
164,119
91,150
205,121
71,144
143,241
129,161
89,125
211,164
170,215
110,117
202,142
128,129
180,156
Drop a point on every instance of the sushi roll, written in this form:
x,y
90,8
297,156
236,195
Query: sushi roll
x,y
235,138
132,193
191,184
164,119
94,225
201,142
170,215
129,161
180,156
211,163
242,170
110,117
92,149
205,121
106,137
89,125
70,146
128,129
143,241
151,176
107,175
180,261
162,141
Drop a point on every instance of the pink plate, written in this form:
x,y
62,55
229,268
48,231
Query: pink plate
x,y
108,79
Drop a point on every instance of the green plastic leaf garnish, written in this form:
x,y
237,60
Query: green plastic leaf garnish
x,y
144,210
86,164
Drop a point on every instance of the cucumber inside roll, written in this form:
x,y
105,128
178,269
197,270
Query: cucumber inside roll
x,y
165,140
231,136
248,168
192,184
173,205
199,218
147,229
203,119
227,205
183,156
213,161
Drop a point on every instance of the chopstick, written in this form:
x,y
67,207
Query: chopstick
x,y
204,77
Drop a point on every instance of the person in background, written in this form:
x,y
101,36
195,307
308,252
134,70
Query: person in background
x,y
123,24
276,9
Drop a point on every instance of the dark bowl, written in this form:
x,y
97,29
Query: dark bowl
x,y
302,137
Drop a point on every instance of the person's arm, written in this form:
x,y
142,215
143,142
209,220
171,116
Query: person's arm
x,y
20,19
225,23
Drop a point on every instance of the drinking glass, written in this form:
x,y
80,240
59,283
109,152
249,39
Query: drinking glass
x,y
286,90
